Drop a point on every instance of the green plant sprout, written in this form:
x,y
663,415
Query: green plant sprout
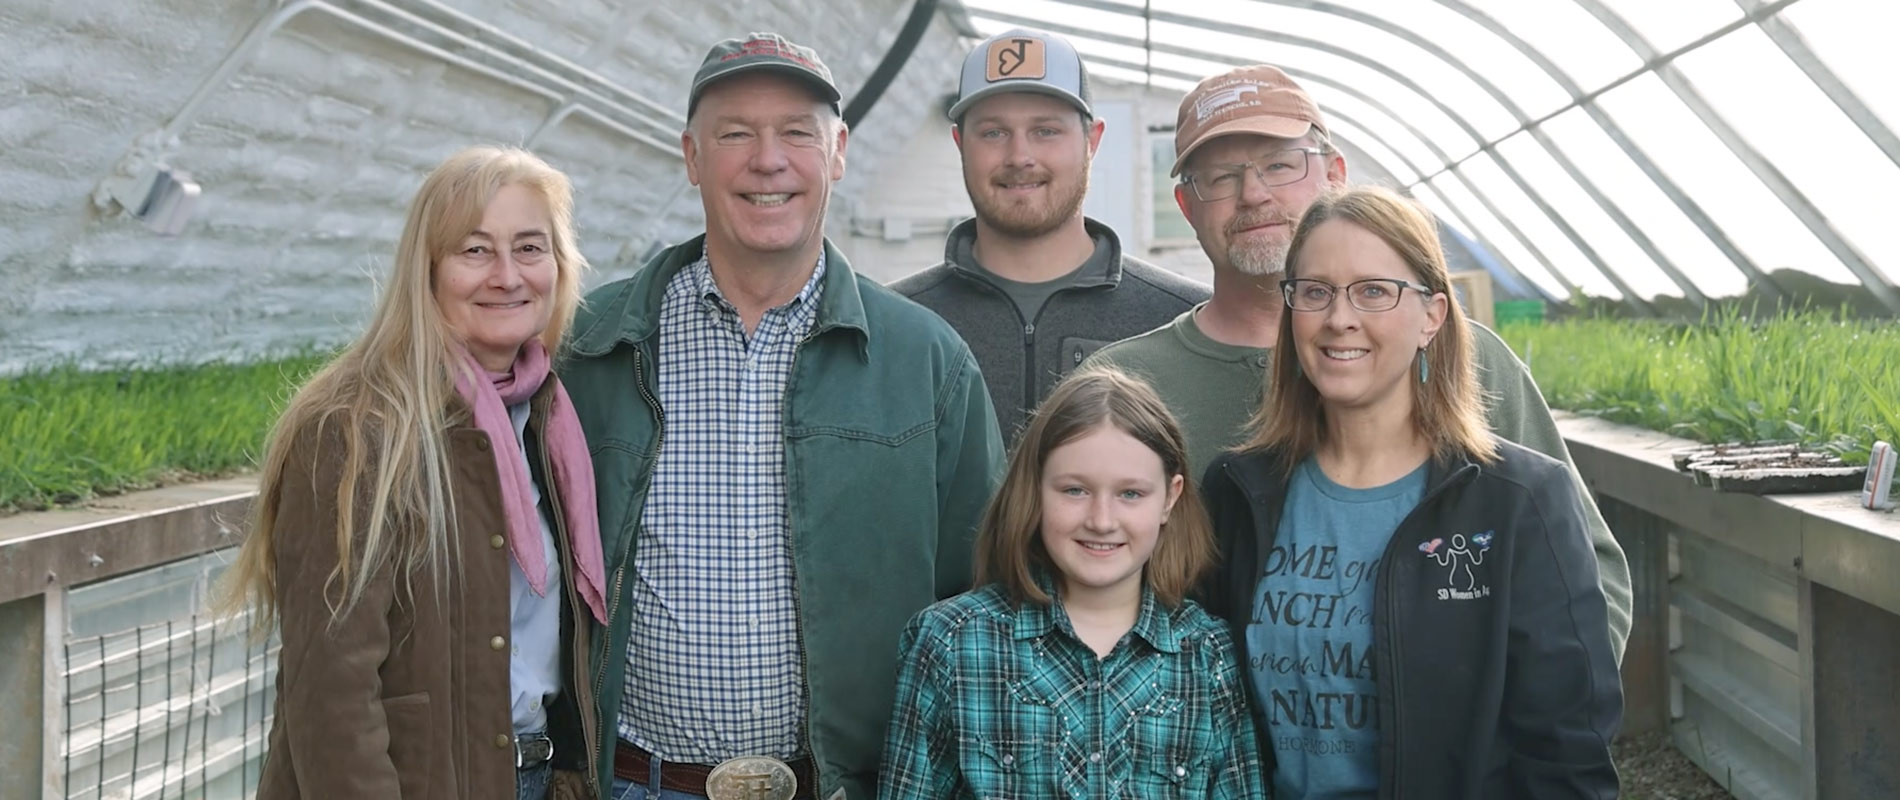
x,y
1808,376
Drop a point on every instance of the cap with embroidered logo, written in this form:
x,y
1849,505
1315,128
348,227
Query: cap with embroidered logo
x,y
1259,100
763,51
1023,60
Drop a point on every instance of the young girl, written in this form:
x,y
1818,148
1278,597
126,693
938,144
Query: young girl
x,y
1418,599
1078,669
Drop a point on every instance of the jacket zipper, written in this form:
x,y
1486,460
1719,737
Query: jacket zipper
x,y
573,596
1388,634
620,573
1031,397
1028,328
1388,639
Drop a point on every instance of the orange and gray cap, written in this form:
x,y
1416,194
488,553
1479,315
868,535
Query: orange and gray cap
x,y
1259,100
1023,60
763,51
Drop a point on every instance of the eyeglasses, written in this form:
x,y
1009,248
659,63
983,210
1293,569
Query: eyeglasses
x,y
1371,294
1273,169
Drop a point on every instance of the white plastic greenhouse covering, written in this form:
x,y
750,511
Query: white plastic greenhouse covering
x,y
1622,148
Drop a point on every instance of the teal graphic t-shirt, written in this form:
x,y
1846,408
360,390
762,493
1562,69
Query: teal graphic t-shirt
x,y
1309,645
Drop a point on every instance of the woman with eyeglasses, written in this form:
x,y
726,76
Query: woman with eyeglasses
x,y
424,540
1417,599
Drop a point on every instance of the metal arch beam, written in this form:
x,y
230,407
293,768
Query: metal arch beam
x,y
1570,288
1785,36
1633,299
1483,200
1525,123
1664,67
1587,101
1576,239
1334,113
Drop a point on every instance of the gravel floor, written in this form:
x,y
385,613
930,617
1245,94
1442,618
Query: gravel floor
x,y
1652,769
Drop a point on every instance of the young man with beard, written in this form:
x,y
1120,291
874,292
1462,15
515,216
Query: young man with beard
x,y
1034,286
1253,153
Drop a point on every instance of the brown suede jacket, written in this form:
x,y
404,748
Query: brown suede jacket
x,y
407,695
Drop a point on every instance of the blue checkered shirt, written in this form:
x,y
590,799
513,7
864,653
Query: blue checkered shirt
x,y
713,667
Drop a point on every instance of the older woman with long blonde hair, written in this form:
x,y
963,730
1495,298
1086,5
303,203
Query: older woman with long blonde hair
x,y
424,538
1417,599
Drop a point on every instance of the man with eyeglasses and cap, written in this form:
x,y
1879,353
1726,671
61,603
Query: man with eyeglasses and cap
x,y
1032,284
1253,153
791,461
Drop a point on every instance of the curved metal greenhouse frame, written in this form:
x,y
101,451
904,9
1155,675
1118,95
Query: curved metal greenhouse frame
x,y
1537,120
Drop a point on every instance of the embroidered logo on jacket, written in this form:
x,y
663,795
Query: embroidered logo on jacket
x,y
1459,558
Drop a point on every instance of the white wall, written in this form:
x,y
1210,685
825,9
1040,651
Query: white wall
x,y
309,150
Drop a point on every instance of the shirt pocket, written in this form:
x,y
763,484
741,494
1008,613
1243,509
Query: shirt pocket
x,y
1173,749
1076,350
1007,768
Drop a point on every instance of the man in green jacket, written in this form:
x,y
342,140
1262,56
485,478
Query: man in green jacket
x,y
791,461
1209,364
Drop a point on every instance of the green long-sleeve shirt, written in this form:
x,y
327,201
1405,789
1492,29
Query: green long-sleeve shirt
x,y
1212,388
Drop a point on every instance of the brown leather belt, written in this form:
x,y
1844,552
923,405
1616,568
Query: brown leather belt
x,y
636,765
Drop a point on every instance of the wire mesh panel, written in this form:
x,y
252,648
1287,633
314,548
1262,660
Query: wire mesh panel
x,y
163,700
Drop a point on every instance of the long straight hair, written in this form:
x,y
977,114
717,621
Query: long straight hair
x,y
1447,409
390,398
1009,544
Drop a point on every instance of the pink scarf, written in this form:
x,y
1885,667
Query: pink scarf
x,y
573,469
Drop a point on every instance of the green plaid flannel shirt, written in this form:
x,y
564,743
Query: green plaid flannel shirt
x,y
1000,700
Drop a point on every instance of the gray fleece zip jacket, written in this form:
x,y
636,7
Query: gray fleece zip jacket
x,y
1022,359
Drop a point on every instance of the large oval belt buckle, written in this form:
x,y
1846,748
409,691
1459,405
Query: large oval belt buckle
x,y
751,778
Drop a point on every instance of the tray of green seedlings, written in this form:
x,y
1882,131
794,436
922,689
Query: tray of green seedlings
x,y
1767,468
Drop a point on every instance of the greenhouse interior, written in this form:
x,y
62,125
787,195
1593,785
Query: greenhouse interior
x,y
1666,212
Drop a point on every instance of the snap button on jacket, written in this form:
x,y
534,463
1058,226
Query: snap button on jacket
x,y
407,695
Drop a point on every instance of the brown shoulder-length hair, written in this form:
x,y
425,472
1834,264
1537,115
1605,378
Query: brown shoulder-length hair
x,y
1009,543
1448,409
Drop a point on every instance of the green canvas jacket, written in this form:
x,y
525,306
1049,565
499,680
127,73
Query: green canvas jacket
x,y
891,453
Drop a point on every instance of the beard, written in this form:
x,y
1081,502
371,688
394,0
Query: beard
x,y
1256,256
1034,217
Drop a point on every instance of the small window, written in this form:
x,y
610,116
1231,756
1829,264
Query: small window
x,y
1170,228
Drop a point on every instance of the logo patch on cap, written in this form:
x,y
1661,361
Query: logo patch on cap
x,y
770,48
1020,58
1216,102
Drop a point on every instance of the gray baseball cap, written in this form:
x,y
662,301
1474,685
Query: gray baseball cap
x,y
1023,60
762,51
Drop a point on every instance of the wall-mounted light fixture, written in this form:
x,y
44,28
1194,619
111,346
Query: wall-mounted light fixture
x,y
161,197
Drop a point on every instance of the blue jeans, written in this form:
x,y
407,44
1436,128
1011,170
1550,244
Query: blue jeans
x,y
531,783
628,790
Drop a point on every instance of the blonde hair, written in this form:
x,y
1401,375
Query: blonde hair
x,y
1448,409
390,398
1009,543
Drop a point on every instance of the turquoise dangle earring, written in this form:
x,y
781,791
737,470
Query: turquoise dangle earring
x,y
1424,368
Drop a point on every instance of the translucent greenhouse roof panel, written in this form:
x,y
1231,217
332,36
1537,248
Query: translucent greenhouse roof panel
x,y
1348,130
1505,239
1674,24
1855,40
1534,91
1573,39
1668,225
1625,258
1563,247
1782,113
1738,202
1620,147
1366,38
